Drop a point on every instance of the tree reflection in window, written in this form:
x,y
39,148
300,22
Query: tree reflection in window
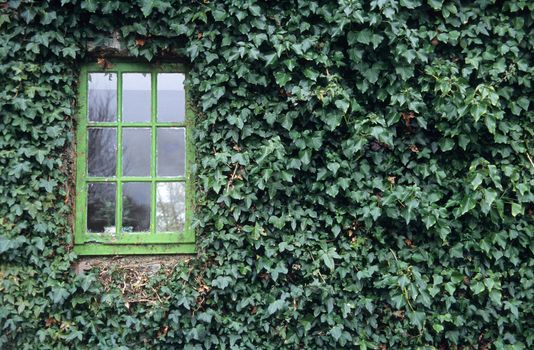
x,y
170,207
102,152
101,207
136,207
102,97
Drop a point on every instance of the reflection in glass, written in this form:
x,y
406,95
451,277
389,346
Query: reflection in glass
x,y
102,152
136,151
170,207
136,207
102,97
136,99
171,151
101,208
171,97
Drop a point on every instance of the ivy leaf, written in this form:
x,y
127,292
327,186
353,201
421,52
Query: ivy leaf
x,y
328,261
48,185
477,287
282,78
147,7
342,105
364,36
333,167
218,15
489,197
276,306
255,10
517,209
333,120
467,204
417,318
477,181
335,332
490,123
58,295
69,51
435,4
270,59
446,144
477,111
74,334
438,327
89,5
221,282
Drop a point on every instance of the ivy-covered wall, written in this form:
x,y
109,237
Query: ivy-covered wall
x,y
364,175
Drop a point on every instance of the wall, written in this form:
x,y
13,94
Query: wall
x,y
364,176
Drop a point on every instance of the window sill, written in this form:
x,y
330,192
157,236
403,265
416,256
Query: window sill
x,y
134,249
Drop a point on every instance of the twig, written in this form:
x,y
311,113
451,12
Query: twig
x,y
318,271
392,252
231,181
530,159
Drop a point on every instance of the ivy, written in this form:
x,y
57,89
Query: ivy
x,y
364,175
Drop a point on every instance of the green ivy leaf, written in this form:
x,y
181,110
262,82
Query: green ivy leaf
x,y
282,78
517,209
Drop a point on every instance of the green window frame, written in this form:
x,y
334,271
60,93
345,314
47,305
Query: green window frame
x,y
119,240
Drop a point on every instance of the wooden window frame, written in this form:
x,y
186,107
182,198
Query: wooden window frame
x,y
86,243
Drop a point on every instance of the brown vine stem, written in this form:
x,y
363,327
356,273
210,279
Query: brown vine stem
x,y
319,272
231,181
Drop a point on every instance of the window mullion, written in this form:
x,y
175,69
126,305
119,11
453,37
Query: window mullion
x,y
118,218
153,122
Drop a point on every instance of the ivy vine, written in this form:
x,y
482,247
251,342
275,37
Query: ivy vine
x,y
364,175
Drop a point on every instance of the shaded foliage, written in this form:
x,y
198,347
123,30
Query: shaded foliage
x,y
364,175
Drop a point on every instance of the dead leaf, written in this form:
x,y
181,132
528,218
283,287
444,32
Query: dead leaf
x,y
407,116
50,322
103,63
140,42
163,331
399,314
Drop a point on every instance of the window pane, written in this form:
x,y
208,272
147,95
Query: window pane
x,y
136,151
170,207
171,97
102,152
102,97
171,151
101,207
136,98
136,207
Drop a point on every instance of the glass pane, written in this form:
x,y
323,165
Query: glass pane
x,y
171,97
171,151
102,97
136,98
136,151
136,207
102,151
101,208
170,207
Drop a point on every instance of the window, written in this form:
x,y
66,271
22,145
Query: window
x,y
134,188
